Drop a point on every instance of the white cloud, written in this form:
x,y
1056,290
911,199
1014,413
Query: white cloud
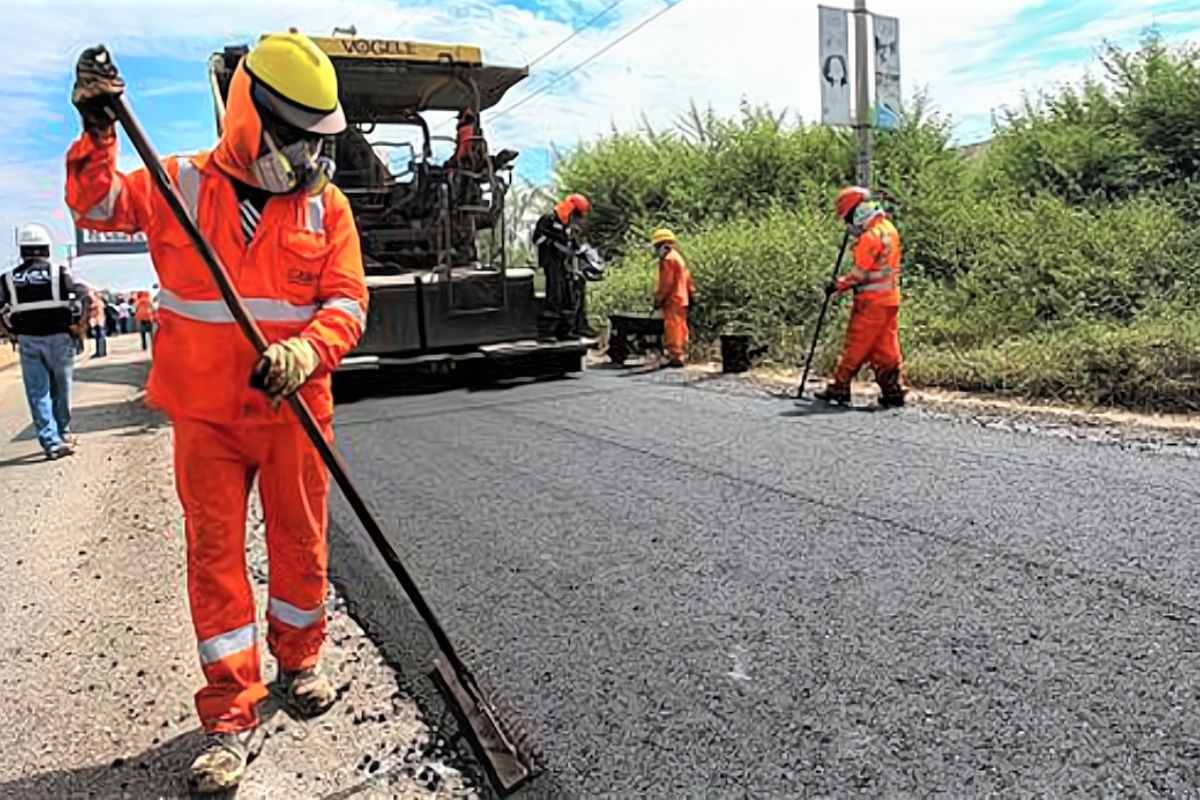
x,y
711,51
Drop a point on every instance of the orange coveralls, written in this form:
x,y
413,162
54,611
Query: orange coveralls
x,y
301,274
675,287
873,333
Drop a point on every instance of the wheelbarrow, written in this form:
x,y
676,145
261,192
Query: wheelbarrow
x,y
633,334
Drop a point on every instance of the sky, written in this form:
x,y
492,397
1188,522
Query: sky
x,y
971,58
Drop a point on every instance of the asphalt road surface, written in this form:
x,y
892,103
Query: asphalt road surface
x,y
698,591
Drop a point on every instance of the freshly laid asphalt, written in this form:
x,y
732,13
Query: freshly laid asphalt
x,y
703,592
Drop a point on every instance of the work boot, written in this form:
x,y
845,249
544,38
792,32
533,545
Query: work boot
x,y
891,393
834,393
586,331
60,451
309,691
221,764
674,363
893,398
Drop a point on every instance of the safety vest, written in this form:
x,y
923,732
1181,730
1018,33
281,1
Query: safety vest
x,y
36,305
878,253
36,296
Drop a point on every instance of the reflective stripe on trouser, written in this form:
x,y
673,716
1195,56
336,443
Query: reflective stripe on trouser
x,y
214,468
873,335
675,331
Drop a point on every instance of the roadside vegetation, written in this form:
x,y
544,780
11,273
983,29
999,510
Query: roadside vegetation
x,y
1059,261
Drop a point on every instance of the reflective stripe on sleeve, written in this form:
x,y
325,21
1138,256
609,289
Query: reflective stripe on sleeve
x,y
346,304
103,210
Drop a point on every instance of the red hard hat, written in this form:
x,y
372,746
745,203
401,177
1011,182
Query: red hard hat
x,y
572,202
849,198
580,203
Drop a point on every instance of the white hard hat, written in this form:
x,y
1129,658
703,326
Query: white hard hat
x,y
33,235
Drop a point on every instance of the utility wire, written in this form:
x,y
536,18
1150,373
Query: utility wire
x,y
576,32
562,42
542,89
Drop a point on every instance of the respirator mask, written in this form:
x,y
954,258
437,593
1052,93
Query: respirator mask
x,y
293,160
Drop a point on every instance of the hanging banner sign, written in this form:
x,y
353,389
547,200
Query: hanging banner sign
x,y
887,72
96,243
834,53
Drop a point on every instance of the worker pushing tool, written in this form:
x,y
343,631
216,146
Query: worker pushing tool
x,y
673,295
873,333
263,199
555,235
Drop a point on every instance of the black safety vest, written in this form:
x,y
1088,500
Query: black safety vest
x,y
552,239
39,299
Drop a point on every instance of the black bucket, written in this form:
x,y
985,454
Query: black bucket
x,y
737,352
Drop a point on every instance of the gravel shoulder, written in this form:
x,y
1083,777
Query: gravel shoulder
x,y
98,647
1167,433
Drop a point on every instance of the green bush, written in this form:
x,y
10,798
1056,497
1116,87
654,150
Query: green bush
x,y
1062,260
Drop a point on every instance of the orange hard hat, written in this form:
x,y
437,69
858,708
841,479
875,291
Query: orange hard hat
x,y
573,202
849,198
580,203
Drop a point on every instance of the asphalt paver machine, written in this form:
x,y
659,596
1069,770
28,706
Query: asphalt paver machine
x,y
439,301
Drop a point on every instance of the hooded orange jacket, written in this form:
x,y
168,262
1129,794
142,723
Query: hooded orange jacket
x,y
301,274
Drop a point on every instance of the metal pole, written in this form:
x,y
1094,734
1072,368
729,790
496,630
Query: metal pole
x,y
862,53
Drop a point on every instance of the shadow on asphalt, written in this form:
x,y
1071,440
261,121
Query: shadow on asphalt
x,y
124,414
24,461
154,773
819,409
118,374
351,389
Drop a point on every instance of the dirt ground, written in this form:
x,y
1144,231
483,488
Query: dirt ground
x,y
99,655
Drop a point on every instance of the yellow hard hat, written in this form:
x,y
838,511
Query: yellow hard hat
x,y
295,80
662,235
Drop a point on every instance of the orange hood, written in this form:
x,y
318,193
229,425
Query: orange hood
x,y
241,140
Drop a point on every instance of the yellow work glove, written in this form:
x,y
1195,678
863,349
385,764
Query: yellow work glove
x,y
289,365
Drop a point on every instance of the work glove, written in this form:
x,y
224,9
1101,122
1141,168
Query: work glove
x,y
96,84
284,367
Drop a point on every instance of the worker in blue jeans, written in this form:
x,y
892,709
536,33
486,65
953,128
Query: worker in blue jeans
x,y
36,304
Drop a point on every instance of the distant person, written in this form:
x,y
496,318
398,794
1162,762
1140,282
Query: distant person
x,y
97,325
112,320
143,315
35,301
124,313
564,312
673,295
873,334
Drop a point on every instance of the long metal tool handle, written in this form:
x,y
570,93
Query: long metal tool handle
x,y
837,267
332,458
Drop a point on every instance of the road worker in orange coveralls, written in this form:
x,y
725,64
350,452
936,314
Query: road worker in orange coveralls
x,y
673,295
263,199
873,333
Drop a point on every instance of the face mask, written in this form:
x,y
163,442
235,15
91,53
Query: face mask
x,y
861,216
285,170
661,249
